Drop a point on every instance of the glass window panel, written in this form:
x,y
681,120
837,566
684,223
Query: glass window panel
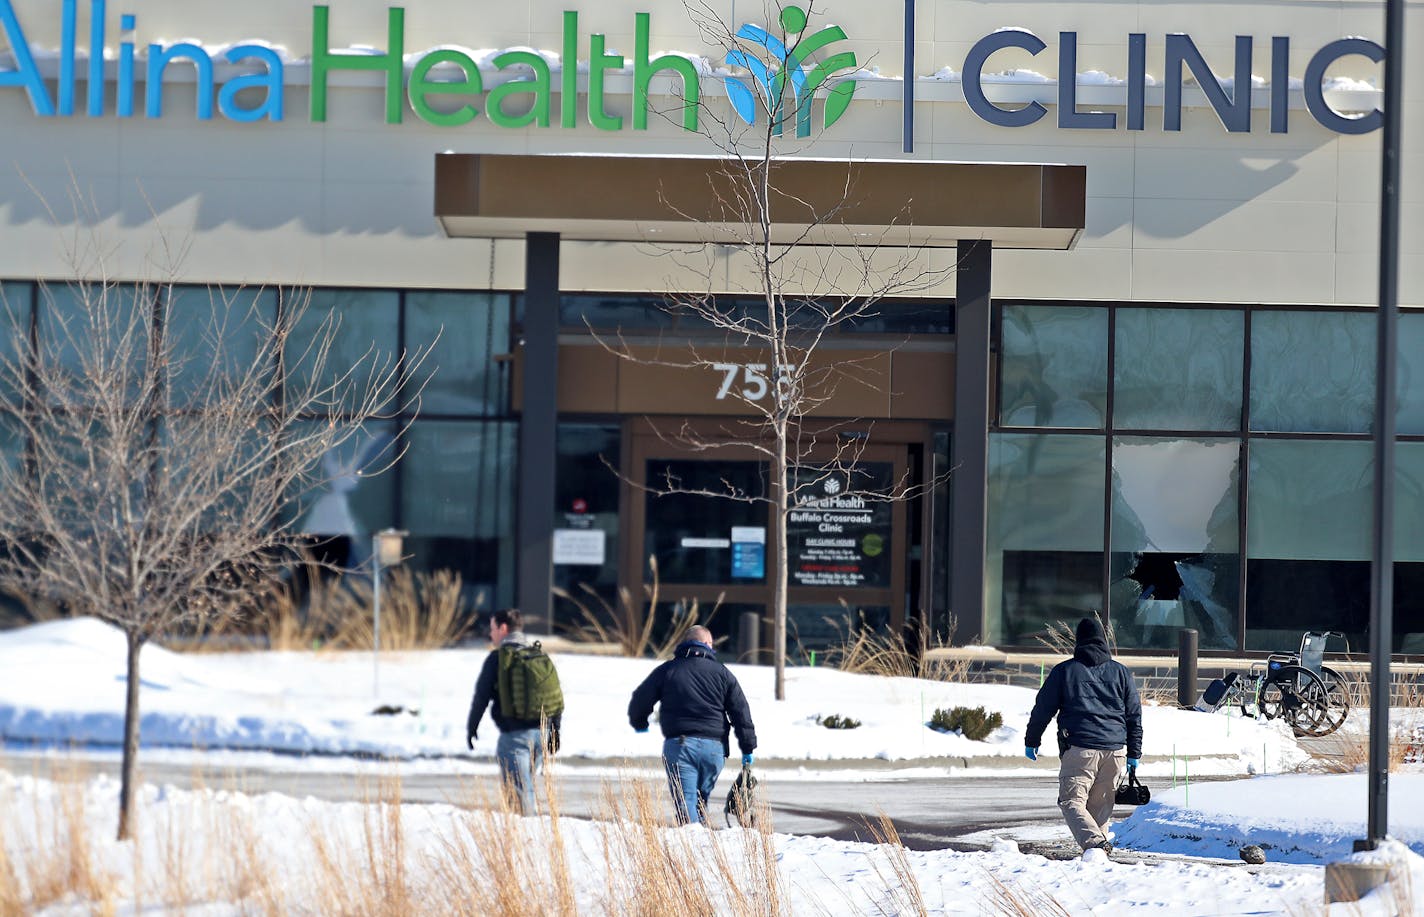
x,y
1408,502
1175,560
354,494
14,329
1312,372
216,333
1308,542
1053,366
1410,418
837,535
457,491
690,534
1409,548
367,328
466,330
586,491
1045,532
1178,369
71,315
823,629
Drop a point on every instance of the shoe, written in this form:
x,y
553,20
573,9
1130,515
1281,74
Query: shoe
x,y
1105,846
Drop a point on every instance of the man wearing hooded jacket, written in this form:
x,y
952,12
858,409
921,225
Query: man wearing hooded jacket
x,y
701,703
1099,725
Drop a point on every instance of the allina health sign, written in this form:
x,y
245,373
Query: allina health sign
x,y
522,94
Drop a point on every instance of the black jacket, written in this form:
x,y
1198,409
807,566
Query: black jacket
x,y
487,695
699,697
1093,696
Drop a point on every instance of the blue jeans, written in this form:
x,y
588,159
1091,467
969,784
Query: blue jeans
x,y
520,752
693,765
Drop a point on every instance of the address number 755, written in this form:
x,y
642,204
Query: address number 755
x,y
753,378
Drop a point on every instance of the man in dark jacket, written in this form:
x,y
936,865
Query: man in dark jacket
x,y
1099,715
701,704
519,750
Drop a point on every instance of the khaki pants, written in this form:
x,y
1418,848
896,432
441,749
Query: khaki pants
x,y
1087,783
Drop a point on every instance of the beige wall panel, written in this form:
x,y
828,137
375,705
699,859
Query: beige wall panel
x,y
1359,279
63,145
34,248
262,196
611,266
1233,277
230,229
1202,130
970,21
1358,231
1110,168
1109,223
1309,175
1411,137
219,151
1087,273
1360,177
380,234
1308,23
1207,225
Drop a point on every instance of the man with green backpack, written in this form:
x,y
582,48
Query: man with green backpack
x,y
520,685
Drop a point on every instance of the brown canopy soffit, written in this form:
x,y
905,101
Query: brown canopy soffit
x,y
686,199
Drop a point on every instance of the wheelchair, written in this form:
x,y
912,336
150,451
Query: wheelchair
x,y
1298,687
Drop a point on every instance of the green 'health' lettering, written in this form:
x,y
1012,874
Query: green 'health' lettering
x,y
533,79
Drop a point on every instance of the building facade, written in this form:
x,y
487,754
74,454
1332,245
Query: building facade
x,y
1178,407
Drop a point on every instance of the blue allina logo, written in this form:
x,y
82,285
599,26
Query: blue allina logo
x,y
783,64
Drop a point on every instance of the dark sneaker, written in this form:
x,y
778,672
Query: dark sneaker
x,y
1104,845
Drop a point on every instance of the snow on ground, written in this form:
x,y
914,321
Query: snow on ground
x,y
294,845
1294,818
64,685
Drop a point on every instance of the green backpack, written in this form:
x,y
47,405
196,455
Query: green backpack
x,y
528,684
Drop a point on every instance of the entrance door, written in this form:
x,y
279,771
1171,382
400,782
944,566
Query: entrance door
x,y
699,533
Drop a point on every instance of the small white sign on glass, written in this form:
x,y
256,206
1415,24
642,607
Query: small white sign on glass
x,y
579,547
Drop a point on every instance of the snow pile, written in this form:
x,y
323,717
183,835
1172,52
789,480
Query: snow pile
x,y
1294,818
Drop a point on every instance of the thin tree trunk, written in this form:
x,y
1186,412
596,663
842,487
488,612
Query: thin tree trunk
x,y
128,771
779,597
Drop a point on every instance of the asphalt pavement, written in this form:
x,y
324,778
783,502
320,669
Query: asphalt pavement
x,y
929,811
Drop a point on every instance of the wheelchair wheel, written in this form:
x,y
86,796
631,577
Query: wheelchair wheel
x,y
1337,703
1298,696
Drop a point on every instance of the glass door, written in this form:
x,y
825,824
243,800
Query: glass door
x,y
700,532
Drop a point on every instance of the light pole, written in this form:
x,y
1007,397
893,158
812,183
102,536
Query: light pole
x,y
1387,353
386,547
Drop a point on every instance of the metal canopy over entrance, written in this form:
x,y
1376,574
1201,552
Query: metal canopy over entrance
x,y
692,199
971,207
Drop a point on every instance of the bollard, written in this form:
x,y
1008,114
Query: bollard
x,y
749,638
1186,667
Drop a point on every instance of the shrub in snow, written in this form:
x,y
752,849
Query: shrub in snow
x,y
836,721
972,722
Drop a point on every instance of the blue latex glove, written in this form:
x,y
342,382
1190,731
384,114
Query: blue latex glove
x,y
644,729
1030,753
1132,763
747,759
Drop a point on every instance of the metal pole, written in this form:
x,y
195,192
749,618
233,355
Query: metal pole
x,y
1186,668
376,617
908,83
1382,566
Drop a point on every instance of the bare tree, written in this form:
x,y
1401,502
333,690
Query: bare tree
x,y
805,289
166,432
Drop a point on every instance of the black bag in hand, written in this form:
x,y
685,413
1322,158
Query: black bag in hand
x,y
1132,793
741,800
